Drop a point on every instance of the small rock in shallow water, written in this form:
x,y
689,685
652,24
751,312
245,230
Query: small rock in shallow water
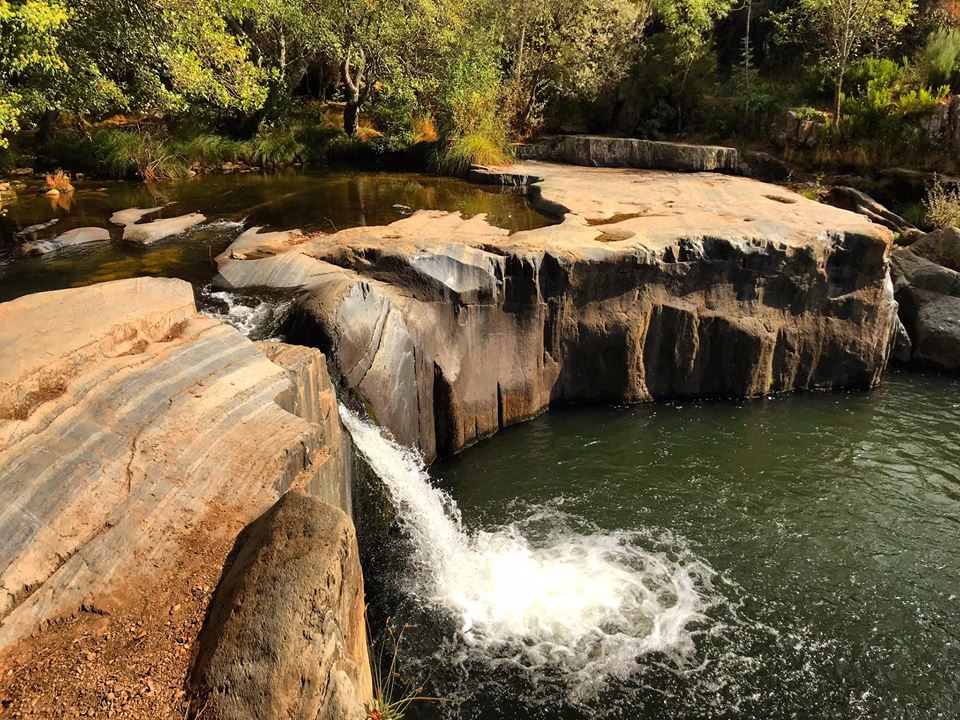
x,y
77,236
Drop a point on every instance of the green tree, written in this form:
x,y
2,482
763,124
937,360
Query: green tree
x,y
29,57
690,23
565,48
846,29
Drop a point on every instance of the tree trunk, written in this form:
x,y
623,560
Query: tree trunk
x,y
838,98
357,90
350,112
48,125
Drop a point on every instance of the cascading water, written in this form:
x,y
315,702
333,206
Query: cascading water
x,y
257,318
547,593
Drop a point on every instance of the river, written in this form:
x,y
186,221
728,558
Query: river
x,y
320,202
790,557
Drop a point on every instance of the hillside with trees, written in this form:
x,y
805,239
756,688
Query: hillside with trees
x,y
128,88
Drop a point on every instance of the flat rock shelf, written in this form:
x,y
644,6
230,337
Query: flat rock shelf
x,y
654,285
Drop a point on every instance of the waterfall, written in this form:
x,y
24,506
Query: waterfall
x,y
257,318
587,604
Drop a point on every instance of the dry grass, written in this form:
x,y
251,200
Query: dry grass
x,y
424,129
60,181
47,390
390,700
943,205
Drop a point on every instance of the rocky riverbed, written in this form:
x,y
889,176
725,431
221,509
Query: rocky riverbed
x,y
178,498
137,439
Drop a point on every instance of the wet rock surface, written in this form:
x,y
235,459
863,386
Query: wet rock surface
x,y
655,285
78,236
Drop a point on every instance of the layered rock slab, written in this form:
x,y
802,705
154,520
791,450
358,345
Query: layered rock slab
x,y
126,418
71,238
654,285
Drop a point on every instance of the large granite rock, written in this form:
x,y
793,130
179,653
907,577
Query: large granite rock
x,y
927,283
601,151
285,636
801,130
860,202
655,285
126,418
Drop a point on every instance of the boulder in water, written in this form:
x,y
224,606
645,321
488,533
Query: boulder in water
x,y
155,230
132,215
77,236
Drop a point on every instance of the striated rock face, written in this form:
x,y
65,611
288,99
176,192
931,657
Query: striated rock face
x,y
656,285
125,419
285,636
927,281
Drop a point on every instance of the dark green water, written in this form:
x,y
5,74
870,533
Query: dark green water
x,y
830,524
311,202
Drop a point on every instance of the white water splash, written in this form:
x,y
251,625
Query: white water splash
x,y
589,605
257,318
222,225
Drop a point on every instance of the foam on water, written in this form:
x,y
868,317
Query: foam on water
x,y
546,592
222,225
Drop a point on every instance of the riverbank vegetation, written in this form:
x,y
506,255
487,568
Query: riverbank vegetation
x,y
127,88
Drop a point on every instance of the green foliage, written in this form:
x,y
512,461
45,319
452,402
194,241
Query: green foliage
x,y
921,101
564,48
29,57
274,148
943,205
477,136
208,149
876,73
939,59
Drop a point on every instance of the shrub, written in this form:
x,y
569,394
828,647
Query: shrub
x,y
137,153
274,148
939,59
943,205
877,73
921,101
207,149
477,136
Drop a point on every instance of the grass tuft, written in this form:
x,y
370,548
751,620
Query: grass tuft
x,y
943,205
477,147
390,700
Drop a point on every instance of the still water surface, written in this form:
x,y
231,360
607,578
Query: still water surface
x,y
311,202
